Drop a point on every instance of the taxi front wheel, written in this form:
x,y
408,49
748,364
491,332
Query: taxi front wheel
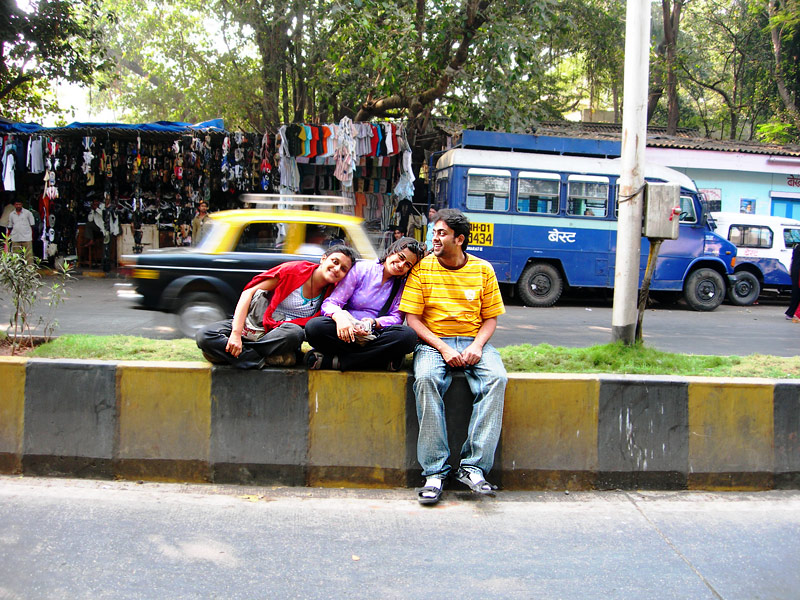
x,y
197,310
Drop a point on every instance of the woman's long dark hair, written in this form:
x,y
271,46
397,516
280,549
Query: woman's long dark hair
x,y
418,248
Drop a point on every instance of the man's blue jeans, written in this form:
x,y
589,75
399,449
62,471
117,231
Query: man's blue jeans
x,y
432,377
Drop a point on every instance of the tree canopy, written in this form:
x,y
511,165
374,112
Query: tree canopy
x,y
728,69
51,41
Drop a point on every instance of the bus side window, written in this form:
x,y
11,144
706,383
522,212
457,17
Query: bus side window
x,y
587,196
441,190
488,189
535,195
687,210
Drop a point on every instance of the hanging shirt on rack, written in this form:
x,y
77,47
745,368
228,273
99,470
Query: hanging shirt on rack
x,y
9,183
345,152
35,161
387,135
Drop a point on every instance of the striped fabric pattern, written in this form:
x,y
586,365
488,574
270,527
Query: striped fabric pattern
x,y
453,302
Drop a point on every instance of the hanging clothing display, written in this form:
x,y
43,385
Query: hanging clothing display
x,y
35,161
145,179
9,165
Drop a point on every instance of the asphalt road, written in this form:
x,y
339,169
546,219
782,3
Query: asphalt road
x,y
581,320
78,539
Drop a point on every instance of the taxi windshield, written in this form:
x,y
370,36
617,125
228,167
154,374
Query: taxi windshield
x,y
212,236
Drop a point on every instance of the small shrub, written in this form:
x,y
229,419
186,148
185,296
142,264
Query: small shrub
x,y
23,283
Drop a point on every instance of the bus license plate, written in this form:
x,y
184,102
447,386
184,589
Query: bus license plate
x,y
481,234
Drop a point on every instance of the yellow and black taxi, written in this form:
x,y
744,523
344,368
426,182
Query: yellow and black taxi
x,y
202,284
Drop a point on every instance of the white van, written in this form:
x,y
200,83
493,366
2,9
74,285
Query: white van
x,y
764,251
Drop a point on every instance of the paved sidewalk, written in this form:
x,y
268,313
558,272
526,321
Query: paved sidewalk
x,y
62,538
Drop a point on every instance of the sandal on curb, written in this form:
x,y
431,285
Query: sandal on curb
x,y
314,360
429,499
482,487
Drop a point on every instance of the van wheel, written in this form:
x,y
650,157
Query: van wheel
x,y
540,285
197,310
704,289
746,289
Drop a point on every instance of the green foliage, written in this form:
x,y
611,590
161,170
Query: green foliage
x,y
777,132
498,65
177,63
54,40
725,61
24,284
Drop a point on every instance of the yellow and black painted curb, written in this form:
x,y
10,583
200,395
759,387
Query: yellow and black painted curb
x,y
195,422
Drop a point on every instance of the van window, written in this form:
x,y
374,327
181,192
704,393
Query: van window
x,y
791,237
488,189
587,196
538,193
750,236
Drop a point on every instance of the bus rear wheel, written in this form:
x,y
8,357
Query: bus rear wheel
x,y
704,290
540,284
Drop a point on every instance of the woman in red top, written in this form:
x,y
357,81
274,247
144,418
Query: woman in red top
x,y
267,325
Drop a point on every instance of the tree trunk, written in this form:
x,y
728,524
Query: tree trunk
x,y
780,80
299,67
657,89
672,20
269,81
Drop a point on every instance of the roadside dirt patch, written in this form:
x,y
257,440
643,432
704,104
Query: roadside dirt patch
x,y
24,348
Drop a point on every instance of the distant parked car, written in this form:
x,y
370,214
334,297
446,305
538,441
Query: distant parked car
x,y
764,252
202,284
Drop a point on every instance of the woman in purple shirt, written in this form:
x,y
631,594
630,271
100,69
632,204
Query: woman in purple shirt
x,y
362,326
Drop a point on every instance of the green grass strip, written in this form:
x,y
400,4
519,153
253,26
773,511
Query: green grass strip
x,y
615,358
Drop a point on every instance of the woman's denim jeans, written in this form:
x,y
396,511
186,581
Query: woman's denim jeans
x,y
432,377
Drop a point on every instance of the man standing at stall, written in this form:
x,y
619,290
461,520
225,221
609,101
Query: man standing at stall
x,y
201,223
21,222
452,302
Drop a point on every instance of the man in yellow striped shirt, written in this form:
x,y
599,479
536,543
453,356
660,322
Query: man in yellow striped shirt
x,y
452,302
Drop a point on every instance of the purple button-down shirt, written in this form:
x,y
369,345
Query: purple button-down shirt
x,y
362,294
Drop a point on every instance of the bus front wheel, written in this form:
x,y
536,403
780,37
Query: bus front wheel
x,y
540,284
704,289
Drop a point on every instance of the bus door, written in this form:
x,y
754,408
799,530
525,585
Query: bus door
x,y
585,235
538,203
487,203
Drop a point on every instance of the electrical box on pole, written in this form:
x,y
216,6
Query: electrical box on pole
x,y
662,210
660,221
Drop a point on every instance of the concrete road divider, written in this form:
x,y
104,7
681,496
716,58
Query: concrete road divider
x,y
195,422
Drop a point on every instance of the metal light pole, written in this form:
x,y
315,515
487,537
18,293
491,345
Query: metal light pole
x,y
624,314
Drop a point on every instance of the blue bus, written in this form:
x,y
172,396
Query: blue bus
x,y
548,221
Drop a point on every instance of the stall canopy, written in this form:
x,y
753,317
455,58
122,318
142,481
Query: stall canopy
x,y
78,128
